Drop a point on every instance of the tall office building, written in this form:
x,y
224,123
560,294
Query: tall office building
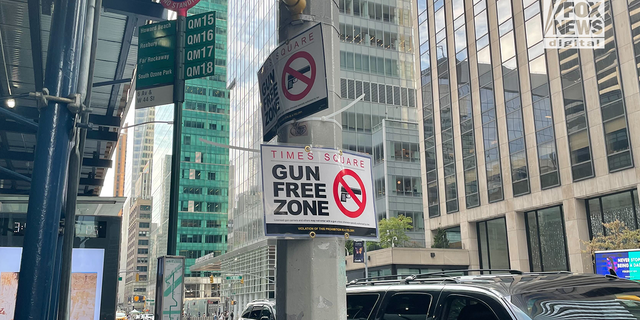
x,y
119,169
138,242
528,151
376,58
204,169
139,153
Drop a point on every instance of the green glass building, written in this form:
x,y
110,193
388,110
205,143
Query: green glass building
x,y
204,180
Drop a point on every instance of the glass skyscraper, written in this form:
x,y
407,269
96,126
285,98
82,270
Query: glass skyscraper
x,y
204,169
528,150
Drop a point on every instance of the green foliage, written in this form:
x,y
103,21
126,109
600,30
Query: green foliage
x,y
349,245
393,231
440,239
618,237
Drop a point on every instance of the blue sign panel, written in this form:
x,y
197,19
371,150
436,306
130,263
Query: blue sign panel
x,y
623,263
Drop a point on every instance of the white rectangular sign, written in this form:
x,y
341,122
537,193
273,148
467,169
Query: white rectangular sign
x,y
293,81
152,97
321,191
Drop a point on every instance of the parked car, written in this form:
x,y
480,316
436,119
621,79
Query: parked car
x,y
121,316
515,295
259,310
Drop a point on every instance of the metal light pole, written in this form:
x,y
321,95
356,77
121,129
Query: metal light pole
x,y
310,273
178,99
38,277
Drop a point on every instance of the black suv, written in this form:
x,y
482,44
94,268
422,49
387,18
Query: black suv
x,y
514,295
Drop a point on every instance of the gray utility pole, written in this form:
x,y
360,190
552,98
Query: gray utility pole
x,y
311,278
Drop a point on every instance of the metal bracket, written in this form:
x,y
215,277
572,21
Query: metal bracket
x,y
76,106
73,102
61,227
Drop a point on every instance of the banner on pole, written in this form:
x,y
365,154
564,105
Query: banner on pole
x,y
293,81
324,192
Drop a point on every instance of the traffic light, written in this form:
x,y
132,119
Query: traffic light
x,y
211,279
137,277
242,281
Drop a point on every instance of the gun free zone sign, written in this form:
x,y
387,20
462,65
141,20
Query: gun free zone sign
x,y
322,191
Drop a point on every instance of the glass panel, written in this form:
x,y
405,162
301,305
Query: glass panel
x,y
481,24
595,217
619,207
483,246
552,239
498,249
507,46
534,31
616,135
534,245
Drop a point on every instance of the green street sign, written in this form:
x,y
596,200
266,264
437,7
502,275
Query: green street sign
x,y
234,277
199,70
156,55
200,38
156,30
119,278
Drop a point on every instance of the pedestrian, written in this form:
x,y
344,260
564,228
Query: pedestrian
x,y
215,316
231,315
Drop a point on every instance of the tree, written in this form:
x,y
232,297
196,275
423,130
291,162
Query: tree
x,y
349,246
618,237
440,239
393,231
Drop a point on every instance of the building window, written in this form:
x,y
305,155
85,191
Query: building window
x,y
142,268
143,251
623,207
145,208
492,244
212,175
634,16
214,224
417,219
541,97
143,260
612,104
192,190
451,235
190,223
191,254
191,238
214,207
513,105
547,240
431,167
465,108
187,140
446,114
576,115
143,242
487,104
143,224
407,186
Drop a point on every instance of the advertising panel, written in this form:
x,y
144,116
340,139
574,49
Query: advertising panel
x,y
623,263
86,282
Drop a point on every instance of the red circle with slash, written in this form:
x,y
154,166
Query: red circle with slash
x,y
361,203
288,69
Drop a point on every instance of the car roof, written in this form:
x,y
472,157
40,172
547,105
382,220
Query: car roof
x,y
500,284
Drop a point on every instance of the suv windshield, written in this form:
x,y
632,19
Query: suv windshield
x,y
619,301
